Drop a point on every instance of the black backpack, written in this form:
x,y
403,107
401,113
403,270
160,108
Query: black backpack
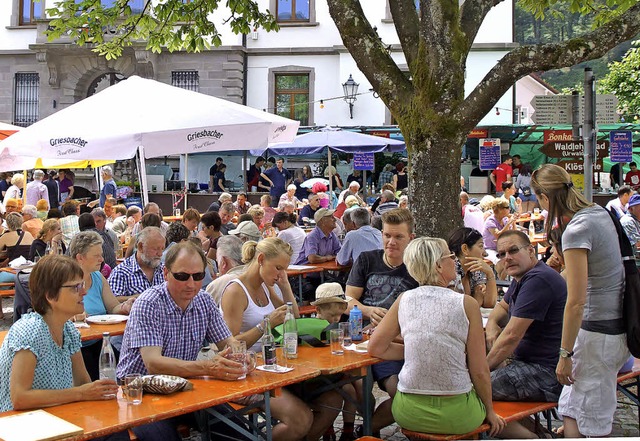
x,y
631,300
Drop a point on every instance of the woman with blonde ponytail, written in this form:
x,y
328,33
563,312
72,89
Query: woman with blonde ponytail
x,y
593,346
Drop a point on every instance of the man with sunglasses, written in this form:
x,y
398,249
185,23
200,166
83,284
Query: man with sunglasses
x,y
167,326
526,326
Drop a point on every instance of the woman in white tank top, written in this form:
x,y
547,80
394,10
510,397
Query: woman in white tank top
x,y
246,300
444,385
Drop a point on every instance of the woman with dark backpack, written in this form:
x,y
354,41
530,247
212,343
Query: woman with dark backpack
x,y
593,346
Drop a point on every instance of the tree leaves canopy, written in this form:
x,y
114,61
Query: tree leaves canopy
x,y
172,25
623,80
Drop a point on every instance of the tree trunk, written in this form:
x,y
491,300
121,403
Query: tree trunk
x,y
434,176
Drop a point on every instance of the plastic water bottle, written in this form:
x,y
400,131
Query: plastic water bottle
x,y
532,230
355,324
107,362
268,344
290,335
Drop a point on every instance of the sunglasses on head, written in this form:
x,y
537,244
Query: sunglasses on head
x,y
183,277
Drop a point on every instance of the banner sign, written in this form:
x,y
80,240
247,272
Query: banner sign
x,y
363,161
621,145
489,153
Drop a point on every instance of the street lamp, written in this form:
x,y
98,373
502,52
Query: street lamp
x,y
350,91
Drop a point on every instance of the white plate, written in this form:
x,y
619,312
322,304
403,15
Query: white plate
x,y
107,319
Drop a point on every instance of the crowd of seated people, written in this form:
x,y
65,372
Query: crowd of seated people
x,y
230,263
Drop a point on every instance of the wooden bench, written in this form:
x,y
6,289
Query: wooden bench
x,y
509,410
183,430
7,289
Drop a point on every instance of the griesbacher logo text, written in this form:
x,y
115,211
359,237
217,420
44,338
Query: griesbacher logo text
x,y
73,141
204,134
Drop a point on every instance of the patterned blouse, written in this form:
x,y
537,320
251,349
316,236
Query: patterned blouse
x,y
53,366
475,278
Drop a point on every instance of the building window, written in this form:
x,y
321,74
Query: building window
x,y
186,79
292,10
292,97
30,11
25,110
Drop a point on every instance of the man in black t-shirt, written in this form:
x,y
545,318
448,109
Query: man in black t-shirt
x,y
212,172
527,326
376,280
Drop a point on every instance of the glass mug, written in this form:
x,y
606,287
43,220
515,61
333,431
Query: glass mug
x,y
132,388
336,338
240,354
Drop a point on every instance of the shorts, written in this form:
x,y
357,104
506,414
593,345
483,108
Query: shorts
x,y
451,414
591,400
383,370
531,198
522,381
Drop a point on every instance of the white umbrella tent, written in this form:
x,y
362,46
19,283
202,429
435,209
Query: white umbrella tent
x,y
151,117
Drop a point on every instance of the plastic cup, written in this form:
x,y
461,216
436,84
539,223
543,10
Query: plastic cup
x,y
132,388
346,334
335,339
536,211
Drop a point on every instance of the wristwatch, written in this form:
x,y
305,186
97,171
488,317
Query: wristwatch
x,y
565,354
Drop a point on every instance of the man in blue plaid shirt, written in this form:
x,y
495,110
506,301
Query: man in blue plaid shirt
x,y
143,269
167,326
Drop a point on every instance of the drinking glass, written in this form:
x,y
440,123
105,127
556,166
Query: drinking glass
x,y
335,338
536,211
132,388
346,333
239,353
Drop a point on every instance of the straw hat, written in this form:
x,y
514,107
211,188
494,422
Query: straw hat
x,y
248,228
329,293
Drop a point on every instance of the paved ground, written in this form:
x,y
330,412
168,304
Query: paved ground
x,y
625,422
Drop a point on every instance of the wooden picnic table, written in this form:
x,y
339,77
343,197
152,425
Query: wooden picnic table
x,y
99,418
93,332
355,365
532,217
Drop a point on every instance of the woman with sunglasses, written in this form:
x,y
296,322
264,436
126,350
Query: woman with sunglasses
x,y
447,388
475,277
495,224
593,346
86,249
40,360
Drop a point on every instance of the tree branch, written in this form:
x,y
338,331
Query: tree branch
x,y
405,19
526,59
472,14
369,53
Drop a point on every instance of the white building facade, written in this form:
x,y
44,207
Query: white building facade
x,y
297,72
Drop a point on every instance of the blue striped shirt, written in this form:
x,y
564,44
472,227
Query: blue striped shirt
x,y
156,320
128,279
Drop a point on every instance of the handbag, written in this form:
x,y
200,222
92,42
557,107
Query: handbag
x,y
631,295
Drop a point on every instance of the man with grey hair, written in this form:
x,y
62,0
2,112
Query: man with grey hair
x,y
143,269
224,197
31,222
36,190
226,212
363,238
387,202
108,188
230,266
110,239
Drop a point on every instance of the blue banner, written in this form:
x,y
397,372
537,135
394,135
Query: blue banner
x,y
363,161
489,153
620,146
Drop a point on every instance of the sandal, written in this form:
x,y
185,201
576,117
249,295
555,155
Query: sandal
x,y
558,432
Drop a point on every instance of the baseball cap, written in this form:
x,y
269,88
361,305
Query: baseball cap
x,y
248,228
322,212
635,200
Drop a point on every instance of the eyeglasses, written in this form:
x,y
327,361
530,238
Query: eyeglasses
x,y
451,256
511,251
78,287
183,277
